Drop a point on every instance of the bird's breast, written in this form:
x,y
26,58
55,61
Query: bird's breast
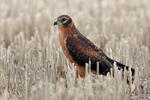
x,y
63,44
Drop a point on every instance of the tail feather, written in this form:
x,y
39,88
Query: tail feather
x,y
123,67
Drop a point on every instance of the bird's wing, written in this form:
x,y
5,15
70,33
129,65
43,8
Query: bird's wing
x,y
82,50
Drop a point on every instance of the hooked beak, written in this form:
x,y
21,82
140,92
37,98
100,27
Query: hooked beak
x,y
57,22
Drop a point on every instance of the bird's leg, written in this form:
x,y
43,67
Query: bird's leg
x,y
80,71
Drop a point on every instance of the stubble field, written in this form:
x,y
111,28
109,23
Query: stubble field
x,y
32,64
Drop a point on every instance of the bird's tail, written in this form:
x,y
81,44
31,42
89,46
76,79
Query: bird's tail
x,y
124,67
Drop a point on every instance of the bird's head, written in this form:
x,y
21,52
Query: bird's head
x,y
63,20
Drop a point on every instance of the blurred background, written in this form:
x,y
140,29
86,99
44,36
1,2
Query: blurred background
x,y
32,65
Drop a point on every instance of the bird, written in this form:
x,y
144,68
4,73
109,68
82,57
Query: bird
x,y
80,50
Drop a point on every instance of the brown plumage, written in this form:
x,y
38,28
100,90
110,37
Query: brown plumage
x,y
79,50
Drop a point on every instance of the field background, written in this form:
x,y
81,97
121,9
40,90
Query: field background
x,y
33,67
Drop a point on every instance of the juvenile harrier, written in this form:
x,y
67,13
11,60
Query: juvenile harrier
x,y
79,50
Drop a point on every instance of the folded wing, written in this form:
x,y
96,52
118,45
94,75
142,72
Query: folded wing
x,y
82,50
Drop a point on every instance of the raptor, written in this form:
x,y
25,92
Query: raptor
x,y
79,50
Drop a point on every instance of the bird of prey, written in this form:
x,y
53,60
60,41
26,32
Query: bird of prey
x,y
79,50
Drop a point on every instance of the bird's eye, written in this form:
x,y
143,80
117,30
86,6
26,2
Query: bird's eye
x,y
63,19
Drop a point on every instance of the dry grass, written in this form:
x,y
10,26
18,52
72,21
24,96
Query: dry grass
x,y
33,67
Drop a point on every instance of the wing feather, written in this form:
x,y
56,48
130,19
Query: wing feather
x,y
82,50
